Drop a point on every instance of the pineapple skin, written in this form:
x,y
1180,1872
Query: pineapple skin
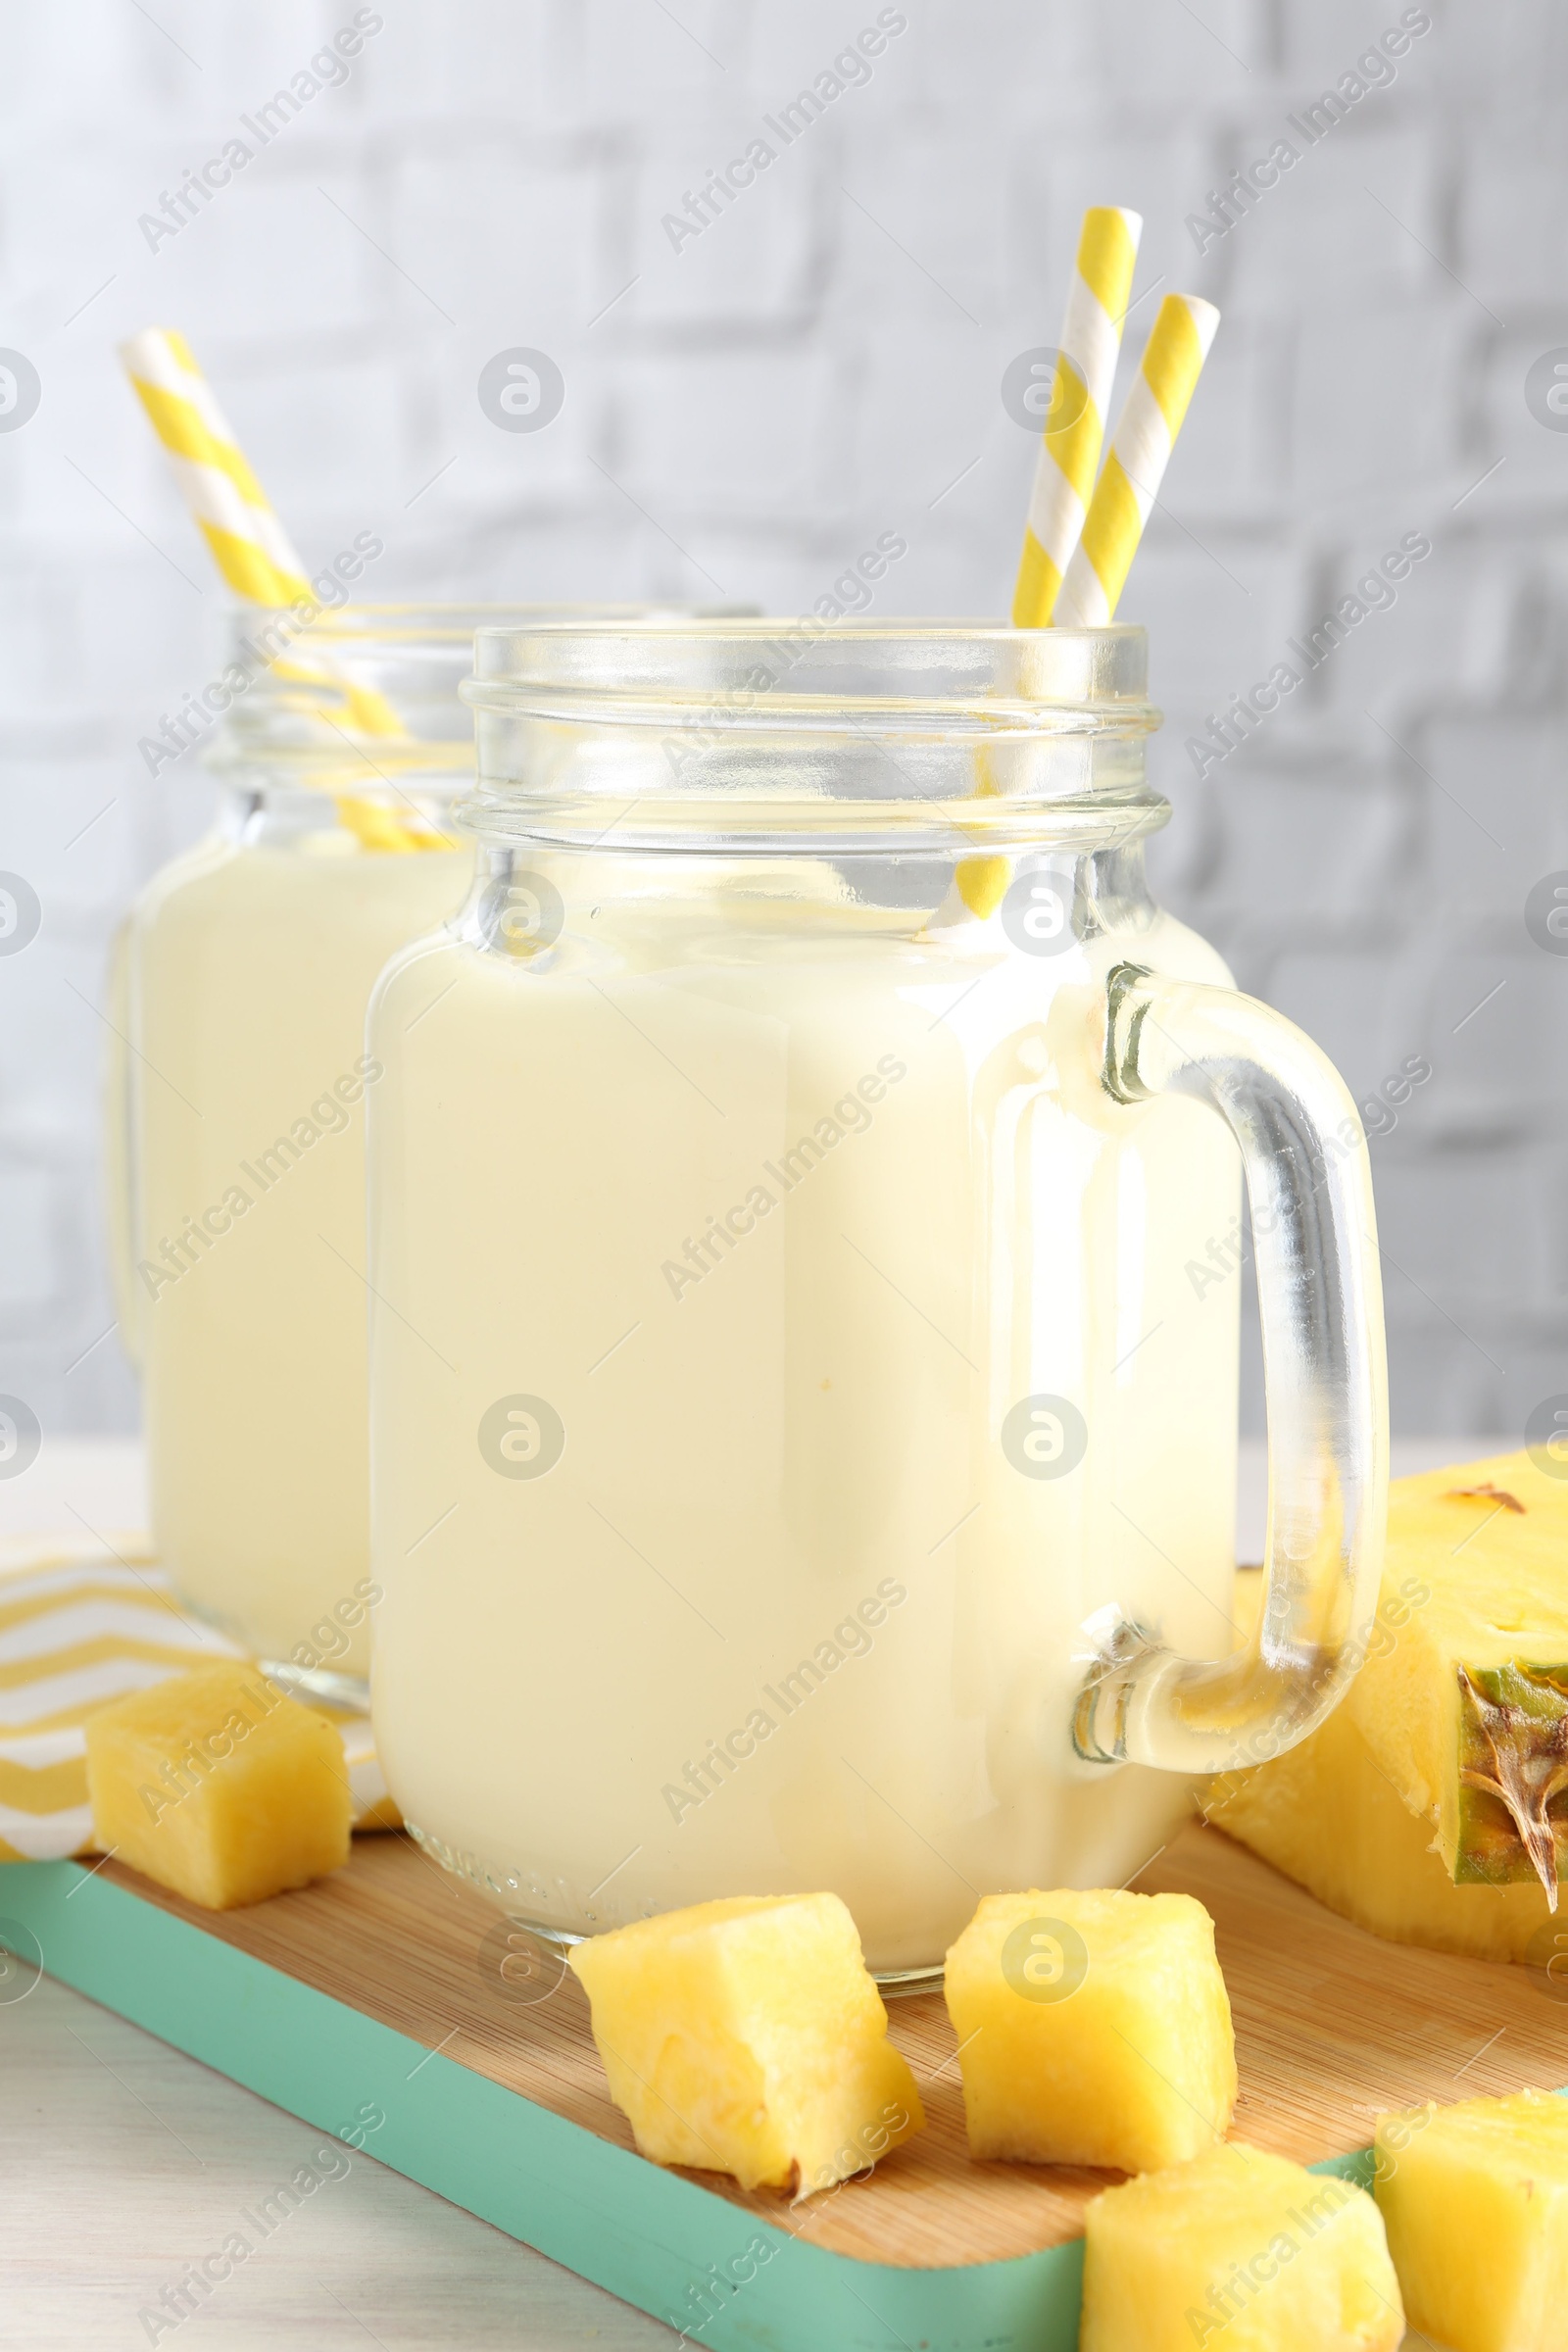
x,y
1240,2250
1327,1817
1498,1597
1134,2065
1475,2200
747,2036
215,1786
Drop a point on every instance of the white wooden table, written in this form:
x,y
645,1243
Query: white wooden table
x,y
122,2162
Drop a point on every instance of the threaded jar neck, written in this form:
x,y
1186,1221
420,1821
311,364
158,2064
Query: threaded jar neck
x,y
798,737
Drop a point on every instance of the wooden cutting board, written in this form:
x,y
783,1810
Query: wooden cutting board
x,y
417,2021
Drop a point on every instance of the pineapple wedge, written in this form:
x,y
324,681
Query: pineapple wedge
x,y
1093,2029
1475,2200
218,1786
1327,1816
747,2036
1463,1698
1242,2251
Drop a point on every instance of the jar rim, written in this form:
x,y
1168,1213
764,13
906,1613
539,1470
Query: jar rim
x,y
459,620
358,696
759,675
769,736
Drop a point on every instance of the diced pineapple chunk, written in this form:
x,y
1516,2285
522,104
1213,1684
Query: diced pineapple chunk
x,y
217,1785
747,2036
1475,2198
1093,2029
1242,2251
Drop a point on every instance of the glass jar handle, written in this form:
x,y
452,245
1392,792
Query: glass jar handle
x,y
1309,1189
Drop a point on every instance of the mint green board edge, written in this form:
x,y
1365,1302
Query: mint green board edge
x,y
647,2236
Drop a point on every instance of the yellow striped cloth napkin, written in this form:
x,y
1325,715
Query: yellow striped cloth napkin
x,y
79,1628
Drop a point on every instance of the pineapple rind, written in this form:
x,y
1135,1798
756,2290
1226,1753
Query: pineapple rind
x,y
1475,2200
1135,2067
747,2036
1495,1595
218,1786
1242,2251
1331,1820
1533,1701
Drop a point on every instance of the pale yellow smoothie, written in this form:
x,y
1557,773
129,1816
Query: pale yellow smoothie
x,y
249,968
719,1254
237,1201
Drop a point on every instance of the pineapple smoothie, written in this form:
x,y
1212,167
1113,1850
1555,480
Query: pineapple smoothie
x,y
804,1341
239,1233
780,1349
251,967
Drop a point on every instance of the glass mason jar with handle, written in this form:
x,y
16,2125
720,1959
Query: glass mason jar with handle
x,y
802,1454
241,985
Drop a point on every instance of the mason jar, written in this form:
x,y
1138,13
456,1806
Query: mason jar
x,y
804,1404
239,1229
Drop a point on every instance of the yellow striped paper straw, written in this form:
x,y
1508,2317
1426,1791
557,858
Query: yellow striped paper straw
x,y
1075,422
252,550
1069,451
249,544
1140,450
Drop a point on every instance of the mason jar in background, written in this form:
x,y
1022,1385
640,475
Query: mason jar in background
x,y
800,1457
246,970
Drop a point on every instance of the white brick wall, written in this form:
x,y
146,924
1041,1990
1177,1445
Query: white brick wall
x,y
821,364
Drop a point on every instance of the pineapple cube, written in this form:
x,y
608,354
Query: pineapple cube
x,y
1475,2200
746,2037
218,1786
1297,2261
1093,2029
